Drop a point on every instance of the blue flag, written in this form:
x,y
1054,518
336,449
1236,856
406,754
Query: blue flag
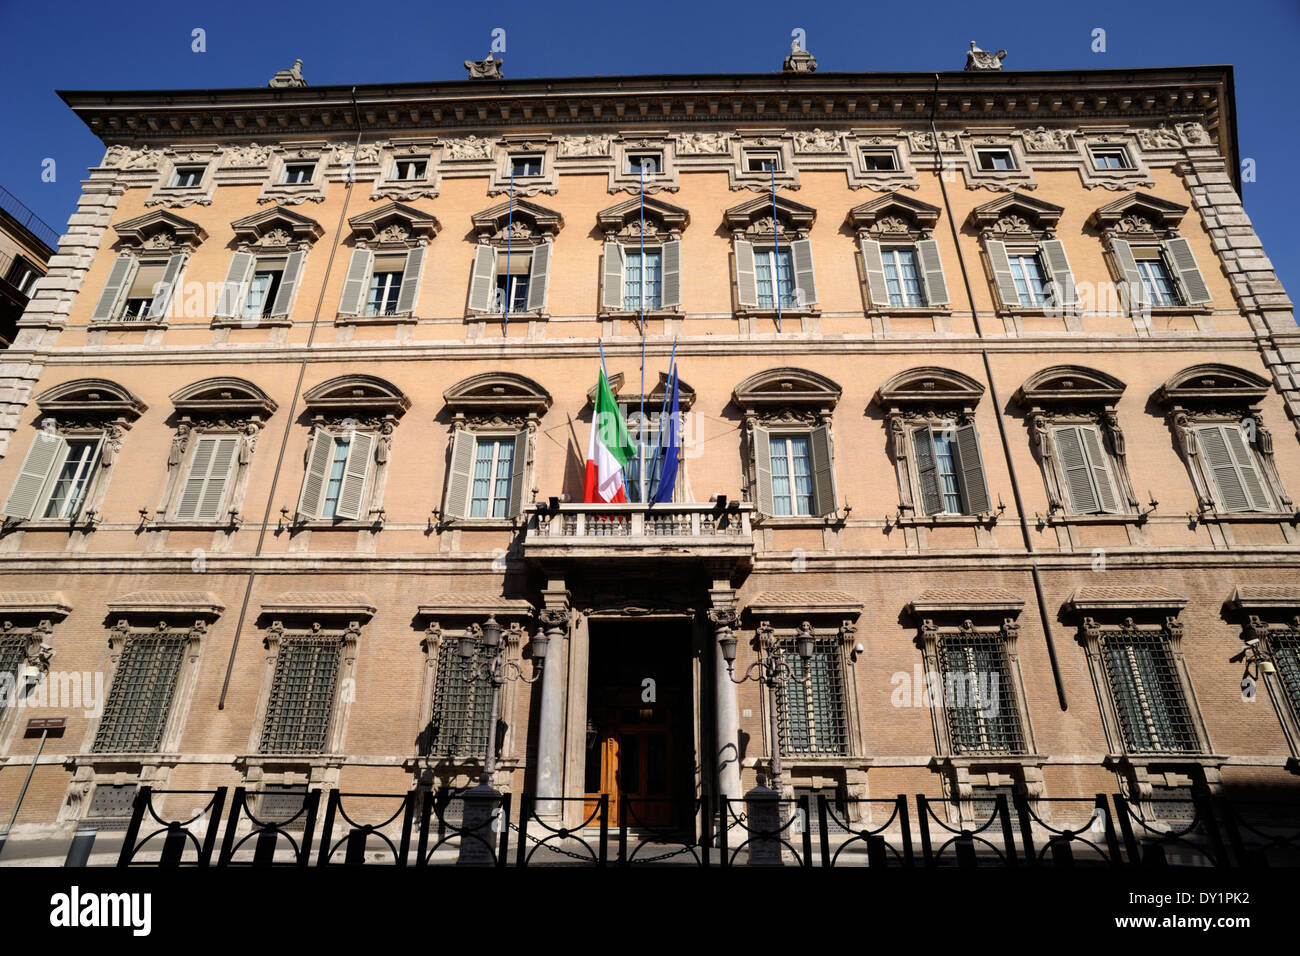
x,y
670,442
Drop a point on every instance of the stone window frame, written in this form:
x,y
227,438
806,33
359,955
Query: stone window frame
x,y
494,228
336,406
270,233
446,618
1262,613
345,614
212,407
1144,609
408,190
1146,222
143,613
752,223
149,237
621,179
788,400
745,141
1137,174
391,229
930,396
1077,395
621,223
275,190
892,220
494,405
1218,394
857,142
164,193
511,145
30,617
1022,177
1019,222
954,611
85,408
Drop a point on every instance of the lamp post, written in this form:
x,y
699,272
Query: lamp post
x,y
497,670
771,671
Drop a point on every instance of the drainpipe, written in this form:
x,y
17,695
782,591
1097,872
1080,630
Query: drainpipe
x,y
997,408
293,407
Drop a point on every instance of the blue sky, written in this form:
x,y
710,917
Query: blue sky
x,y
79,45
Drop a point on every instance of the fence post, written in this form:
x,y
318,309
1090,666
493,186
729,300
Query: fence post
x,y
503,853
806,812
408,815
173,846
1008,840
763,808
822,831
82,843
1112,841
905,825
232,824
214,826
525,810
723,806
1026,827
1204,804
309,828
142,797
1126,828
327,832
923,817
604,829
426,814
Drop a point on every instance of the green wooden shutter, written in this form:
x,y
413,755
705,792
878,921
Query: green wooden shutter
x,y
1097,462
762,494
119,280
1058,266
361,453
746,280
1133,291
805,276
43,459
518,473
671,287
823,470
1075,470
1195,291
163,295
319,455
288,284
927,477
354,282
1002,279
612,294
460,478
1251,478
230,301
970,471
482,279
873,265
936,287
409,294
538,277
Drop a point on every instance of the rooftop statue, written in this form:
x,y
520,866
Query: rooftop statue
x,y
977,59
799,60
488,68
289,77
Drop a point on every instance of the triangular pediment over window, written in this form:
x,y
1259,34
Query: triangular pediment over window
x,y
792,215
159,229
1016,212
277,226
665,216
395,221
524,220
1138,212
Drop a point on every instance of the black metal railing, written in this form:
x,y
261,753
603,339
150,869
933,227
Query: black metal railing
x,y
28,219
969,844
1074,833
889,844
1154,840
178,836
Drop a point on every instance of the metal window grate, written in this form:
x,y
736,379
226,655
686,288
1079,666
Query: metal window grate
x,y
141,696
111,805
979,700
302,694
811,716
1153,714
280,802
1285,644
458,725
13,651
984,801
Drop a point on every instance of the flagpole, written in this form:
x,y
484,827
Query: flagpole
x,y
641,421
663,410
776,253
510,228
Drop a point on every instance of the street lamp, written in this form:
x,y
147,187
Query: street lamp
x,y
772,671
497,670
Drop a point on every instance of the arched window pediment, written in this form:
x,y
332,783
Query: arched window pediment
x,y
1212,382
654,398
90,397
929,385
356,394
497,392
787,386
223,396
1069,384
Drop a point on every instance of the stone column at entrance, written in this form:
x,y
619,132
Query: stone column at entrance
x,y
550,728
727,757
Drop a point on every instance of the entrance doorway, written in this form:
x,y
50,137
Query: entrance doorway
x,y
640,740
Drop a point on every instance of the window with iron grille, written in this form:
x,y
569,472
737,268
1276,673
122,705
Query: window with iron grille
x,y
13,651
811,716
301,704
1285,644
984,801
281,802
140,699
979,700
458,725
111,805
1153,713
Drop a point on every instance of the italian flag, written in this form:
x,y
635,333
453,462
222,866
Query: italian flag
x,y
608,450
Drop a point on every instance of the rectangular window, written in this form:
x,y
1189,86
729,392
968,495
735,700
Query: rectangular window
x,y
111,805
757,161
530,165
995,160
13,651
945,469
811,715
458,725
385,285
979,700
512,280
1027,273
1111,157
140,699
792,488
640,472
187,176
1285,644
767,262
301,703
879,160
334,482
282,802
262,288
298,173
408,169
1156,280
1143,678
633,276
901,277
144,286
650,162
494,460
73,478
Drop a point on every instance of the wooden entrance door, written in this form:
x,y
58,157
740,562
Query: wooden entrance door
x,y
630,760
